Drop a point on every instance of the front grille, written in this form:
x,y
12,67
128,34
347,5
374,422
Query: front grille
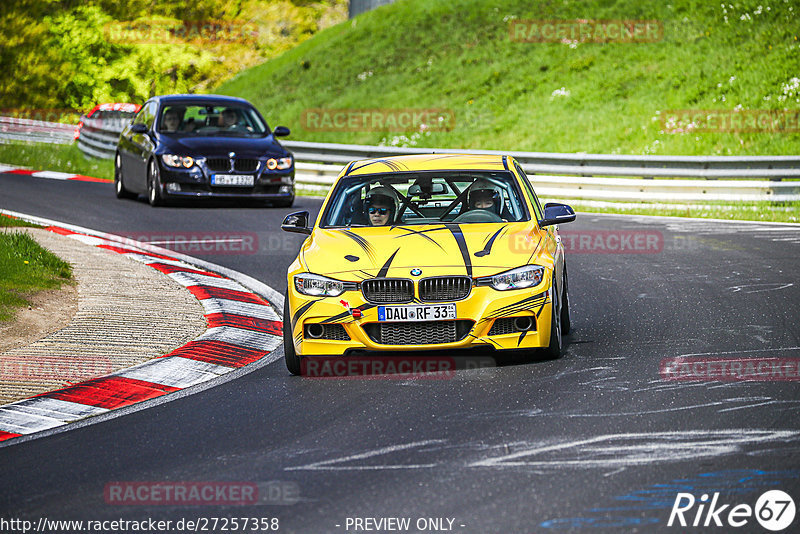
x,y
219,164
386,290
418,333
443,288
330,331
245,165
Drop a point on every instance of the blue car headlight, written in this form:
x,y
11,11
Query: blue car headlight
x,y
171,160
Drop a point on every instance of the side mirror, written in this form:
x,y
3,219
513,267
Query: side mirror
x,y
296,222
280,131
555,213
138,128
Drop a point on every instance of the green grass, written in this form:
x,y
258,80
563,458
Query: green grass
x,y
26,267
64,158
7,222
458,56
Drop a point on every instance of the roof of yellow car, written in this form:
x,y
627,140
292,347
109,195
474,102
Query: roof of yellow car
x,y
427,162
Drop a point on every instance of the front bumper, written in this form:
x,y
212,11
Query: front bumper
x,y
486,318
195,182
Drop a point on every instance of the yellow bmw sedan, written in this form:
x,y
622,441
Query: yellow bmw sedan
x,y
427,252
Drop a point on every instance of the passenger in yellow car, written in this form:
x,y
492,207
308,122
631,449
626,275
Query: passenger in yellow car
x,y
381,206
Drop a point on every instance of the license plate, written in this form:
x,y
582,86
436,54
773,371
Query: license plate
x,y
435,312
239,180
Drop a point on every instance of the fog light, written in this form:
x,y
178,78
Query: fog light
x,y
286,189
173,187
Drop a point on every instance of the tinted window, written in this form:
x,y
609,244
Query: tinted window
x,y
211,120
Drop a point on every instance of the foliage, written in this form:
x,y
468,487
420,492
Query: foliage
x,y
67,54
553,97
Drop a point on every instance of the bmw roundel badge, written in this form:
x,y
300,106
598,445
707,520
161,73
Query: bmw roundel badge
x,y
416,272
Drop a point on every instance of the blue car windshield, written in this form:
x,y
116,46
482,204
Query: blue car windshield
x,y
207,120
431,197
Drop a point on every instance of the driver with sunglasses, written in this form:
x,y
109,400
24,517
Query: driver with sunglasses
x,y
381,205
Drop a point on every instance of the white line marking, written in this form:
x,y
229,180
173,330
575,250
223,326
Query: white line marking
x,y
242,337
40,413
239,308
175,371
192,279
737,352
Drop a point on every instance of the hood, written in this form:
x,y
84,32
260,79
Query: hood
x,y
220,146
473,249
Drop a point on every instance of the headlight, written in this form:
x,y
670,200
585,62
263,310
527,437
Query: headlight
x,y
177,161
519,278
321,286
281,163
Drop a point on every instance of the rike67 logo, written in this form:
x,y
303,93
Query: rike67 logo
x,y
774,510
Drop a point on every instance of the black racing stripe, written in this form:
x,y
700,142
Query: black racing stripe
x,y
534,250
363,243
462,246
542,307
395,166
302,310
487,341
385,268
488,248
421,234
519,305
521,337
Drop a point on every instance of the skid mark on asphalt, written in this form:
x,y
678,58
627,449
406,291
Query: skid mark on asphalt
x,y
608,451
639,448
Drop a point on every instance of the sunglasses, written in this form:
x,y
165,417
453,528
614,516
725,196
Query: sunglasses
x,y
382,211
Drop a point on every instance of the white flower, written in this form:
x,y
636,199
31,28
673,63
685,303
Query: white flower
x,y
364,75
559,93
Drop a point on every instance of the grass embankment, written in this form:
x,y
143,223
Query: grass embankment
x,y
552,97
25,268
63,158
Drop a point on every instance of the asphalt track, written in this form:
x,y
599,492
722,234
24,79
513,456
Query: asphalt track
x,y
596,441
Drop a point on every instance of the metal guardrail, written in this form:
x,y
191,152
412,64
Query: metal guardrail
x,y
701,167
99,137
18,129
319,178
580,176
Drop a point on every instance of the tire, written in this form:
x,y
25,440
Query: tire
x,y
289,354
119,186
154,185
553,350
566,325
